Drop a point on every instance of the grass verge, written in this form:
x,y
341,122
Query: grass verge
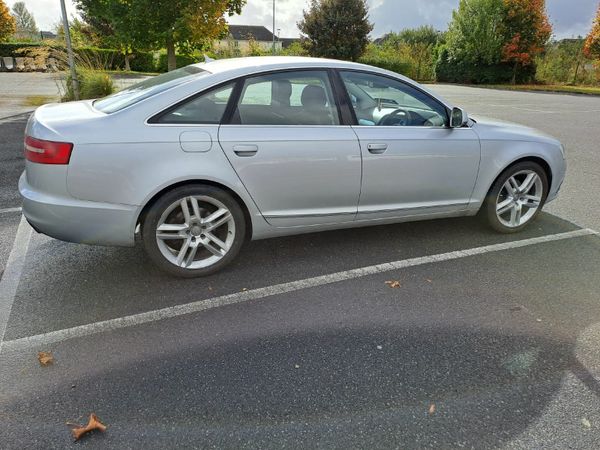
x,y
587,90
39,100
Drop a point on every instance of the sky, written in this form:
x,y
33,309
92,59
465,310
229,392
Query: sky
x,y
570,18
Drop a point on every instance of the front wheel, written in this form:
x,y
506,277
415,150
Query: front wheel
x,y
517,197
193,231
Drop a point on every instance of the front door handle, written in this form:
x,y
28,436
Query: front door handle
x,y
245,151
377,149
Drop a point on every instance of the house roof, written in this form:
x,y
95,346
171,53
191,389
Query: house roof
x,y
242,33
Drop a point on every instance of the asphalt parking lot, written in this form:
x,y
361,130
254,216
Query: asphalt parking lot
x,y
489,341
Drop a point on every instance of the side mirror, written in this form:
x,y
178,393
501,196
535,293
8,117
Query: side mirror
x,y
459,118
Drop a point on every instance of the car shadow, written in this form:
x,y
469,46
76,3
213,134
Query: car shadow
x,y
342,388
68,284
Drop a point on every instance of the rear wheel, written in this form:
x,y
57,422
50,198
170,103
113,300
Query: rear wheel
x,y
194,231
517,197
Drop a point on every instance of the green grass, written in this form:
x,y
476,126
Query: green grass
x,y
39,100
587,90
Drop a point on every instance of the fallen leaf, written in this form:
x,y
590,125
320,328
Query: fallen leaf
x,y
586,423
45,358
538,320
429,280
93,424
393,284
432,409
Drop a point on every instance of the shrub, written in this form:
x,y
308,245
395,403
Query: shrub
x,y
142,62
11,48
400,67
92,84
182,61
450,70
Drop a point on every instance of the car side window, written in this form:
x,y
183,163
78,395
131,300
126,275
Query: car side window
x,y
207,109
287,98
383,101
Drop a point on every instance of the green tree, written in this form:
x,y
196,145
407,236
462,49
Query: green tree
x,y
416,47
156,24
7,22
336,28
476,32
24,21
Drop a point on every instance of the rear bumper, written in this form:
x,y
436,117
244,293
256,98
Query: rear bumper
x,y
79,221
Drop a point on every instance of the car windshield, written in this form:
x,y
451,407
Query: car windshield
x,y
147,88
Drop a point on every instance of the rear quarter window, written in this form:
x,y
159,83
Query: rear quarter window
x,y
148,88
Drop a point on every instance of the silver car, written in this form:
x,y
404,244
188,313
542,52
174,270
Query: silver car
x,y
202,158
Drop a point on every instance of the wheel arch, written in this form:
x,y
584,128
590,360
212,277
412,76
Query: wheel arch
x,y
247,217
536,159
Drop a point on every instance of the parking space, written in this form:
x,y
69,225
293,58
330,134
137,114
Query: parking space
x,y
486,340
492,340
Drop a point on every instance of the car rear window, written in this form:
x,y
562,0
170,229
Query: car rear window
x,y
147,88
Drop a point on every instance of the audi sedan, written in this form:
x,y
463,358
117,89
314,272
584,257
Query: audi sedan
x,y
200,159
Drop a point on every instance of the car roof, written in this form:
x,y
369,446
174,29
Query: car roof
x,y
258,63
237,67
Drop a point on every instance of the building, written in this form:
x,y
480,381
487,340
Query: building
x,y
241,35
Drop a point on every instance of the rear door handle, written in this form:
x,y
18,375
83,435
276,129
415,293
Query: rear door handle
x,y
245,151
377,149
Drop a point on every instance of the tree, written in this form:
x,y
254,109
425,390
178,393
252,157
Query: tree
x,y
475,35
156,24
7,22
527,30
591,48
24,21
336,28
415,46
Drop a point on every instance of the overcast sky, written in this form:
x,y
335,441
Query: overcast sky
x,y
569,17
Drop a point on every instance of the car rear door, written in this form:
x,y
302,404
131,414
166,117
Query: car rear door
x,y
413,163
285,140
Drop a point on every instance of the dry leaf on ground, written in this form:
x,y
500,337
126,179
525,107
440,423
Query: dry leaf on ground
x,y
586,423
45,358
93,424
432,409
393,284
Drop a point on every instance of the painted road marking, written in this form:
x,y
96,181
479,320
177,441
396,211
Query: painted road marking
x,y
10,210
260,293
12,274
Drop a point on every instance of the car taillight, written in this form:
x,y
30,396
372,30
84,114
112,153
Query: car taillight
x,y
47,152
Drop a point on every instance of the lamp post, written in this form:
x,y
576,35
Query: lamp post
x,y
274,52
70,50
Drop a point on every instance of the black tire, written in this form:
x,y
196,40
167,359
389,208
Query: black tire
x,y
489,207
155,212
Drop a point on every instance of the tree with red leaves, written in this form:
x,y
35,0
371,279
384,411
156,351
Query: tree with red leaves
x,y
591,49
527,31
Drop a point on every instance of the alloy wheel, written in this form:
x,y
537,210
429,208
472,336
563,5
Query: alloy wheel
x,y
195,232
519,198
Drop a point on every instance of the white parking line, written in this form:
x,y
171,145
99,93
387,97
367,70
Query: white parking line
x,y
10,210
240,297
12,274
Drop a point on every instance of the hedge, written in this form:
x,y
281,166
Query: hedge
x,y
142,62
400,67
9,48
109,59
182,61
453,71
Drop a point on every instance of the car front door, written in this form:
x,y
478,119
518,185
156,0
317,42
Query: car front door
x,y
413,163
286,143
